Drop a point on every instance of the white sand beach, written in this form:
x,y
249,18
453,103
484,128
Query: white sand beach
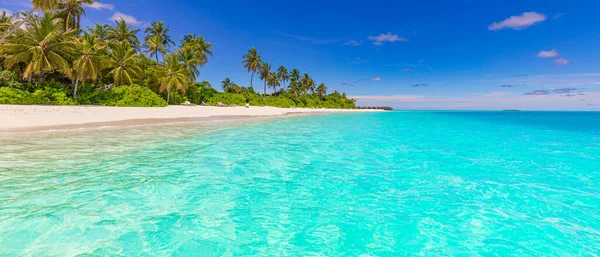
x,y
15,118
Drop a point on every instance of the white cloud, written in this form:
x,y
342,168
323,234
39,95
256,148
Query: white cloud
x,y
561,62
389,37
376,79
352,43
548,54
406,69
127,18
519,22
100,6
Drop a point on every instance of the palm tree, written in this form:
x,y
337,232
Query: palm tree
x,y
123,62
227,85
44,46
307,83
265,74
91,62
6,22
174,76
45,5
200,46
294,82
283,74
123,32
252,62
71,11
190,61
154,45
274,82
158,34
99,30
321,90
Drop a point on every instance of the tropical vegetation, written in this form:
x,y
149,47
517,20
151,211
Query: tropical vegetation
x,y
47,57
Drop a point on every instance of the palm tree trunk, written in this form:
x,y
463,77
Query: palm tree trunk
x,y
265,91
168,96
251,77
75,89
156,56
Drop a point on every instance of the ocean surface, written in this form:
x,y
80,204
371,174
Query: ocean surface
x,y
369,184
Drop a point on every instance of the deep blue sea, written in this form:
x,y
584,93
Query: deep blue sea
x,y
418,183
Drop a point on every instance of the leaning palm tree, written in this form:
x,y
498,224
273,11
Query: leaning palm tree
x,y
158,34
154,46
71,11
91,62
227,85
321,90
45,5
123,63
174,76
190,61
265,74
201,47
123,32
283,75
43,46
252,62
274,82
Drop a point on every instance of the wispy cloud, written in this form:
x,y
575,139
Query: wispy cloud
x,y
519,22
310,39
558,15
538,92
358,61
561,62
406,69
564,90
548,54
513,85
127,18
389,37
420,85
376,79
20,3
352,43
100,6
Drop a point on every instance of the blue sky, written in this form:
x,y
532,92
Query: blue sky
x,y
406,54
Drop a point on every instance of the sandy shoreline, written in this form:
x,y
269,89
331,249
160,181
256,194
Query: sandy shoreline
x,y
31,118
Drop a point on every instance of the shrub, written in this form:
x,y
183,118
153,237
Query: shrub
x,y
227,98
41,96
134,96
200,92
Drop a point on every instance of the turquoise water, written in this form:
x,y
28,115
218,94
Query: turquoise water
x,y
373,184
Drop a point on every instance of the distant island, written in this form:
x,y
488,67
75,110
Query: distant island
x,y
49,59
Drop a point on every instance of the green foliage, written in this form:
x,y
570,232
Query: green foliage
x,y
281,102
52,96
135,96
200,92
227,98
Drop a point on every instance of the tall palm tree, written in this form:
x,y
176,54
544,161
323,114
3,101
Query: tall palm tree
x,y
158,34
44,46
123,32
71,11
45,5
99,30
307,83
190,61
174,76
154,46
200,46
265,74
252,61
295,82
91,62
274,82
123,62
283,75
227,84
321,90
